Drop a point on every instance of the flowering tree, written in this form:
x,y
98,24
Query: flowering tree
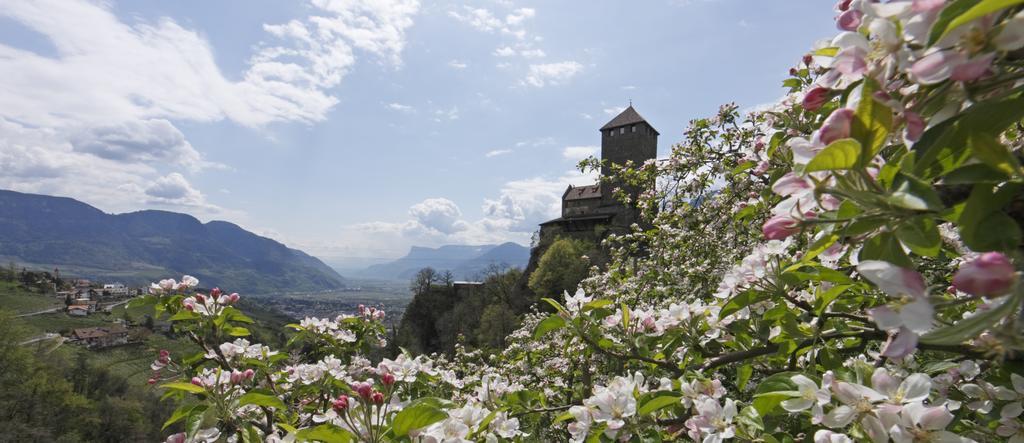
x,y
841,267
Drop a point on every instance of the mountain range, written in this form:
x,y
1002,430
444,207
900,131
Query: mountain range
x,y
139,247
464,261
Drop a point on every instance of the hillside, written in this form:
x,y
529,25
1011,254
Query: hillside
x,y
465,261
138,247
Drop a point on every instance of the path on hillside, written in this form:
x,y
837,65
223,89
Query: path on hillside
x,y
46,336
51,310
110,308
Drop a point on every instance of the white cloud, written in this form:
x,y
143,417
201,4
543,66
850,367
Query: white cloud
x,y
139,141
497,152
614,110
541,75
408,109
532,53
458,64
174,189
439,214
94,120
479,18
505,51
484,20
517,16
523,204
449,114
578,153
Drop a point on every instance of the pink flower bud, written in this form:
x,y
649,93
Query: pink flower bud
x,y
988,275
189,307
197,381
200,298
915,126
759,144
780,227
151,381
815,98
362,308
649,323
379,315
973,69
215,293
388,379
808,59
163,359
850,20
249,374
761,168
935,67
233,298
836,126
843,5
236,377
165,353
363,389
377,398
793,72
340,404
176,438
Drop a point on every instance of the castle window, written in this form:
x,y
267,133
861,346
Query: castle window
x,y
633,129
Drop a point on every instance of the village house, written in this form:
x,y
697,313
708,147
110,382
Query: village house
x,y
78,310
116,290
101,336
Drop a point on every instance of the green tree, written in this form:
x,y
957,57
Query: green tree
x,y
561,268
496,323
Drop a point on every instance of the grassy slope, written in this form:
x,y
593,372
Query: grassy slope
x,y
132,361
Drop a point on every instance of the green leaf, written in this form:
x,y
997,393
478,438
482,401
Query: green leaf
x,y
743,375
261,399
236,331
600,303
658,403
830,51
740,301
987,149
772,391
182,412
558,306
625,316
563,417
326,433
985,7
885,247
872,122
825,298
549,324
840,154
983,225
973,326
921,235
232,314
946,17
974,173
944,147
415,417
183,315
913,193
181,386
826,241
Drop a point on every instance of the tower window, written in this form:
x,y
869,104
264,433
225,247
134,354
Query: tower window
x,y
611,132
622,130
633,129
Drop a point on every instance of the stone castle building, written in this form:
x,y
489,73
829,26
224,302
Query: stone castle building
x,y
627,137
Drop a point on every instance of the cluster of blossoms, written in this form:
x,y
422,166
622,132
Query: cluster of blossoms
x,y
856,278
170,285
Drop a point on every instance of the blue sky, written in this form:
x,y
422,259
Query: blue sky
x,y
354,129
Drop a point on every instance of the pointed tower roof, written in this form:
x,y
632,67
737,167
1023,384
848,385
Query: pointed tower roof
x,y
627,117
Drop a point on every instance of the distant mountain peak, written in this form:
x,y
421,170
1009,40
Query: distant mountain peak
x,y
465,261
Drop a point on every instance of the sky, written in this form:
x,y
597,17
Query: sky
x,y
354,129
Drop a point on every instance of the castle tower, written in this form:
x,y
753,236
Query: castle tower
x,y
627,137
